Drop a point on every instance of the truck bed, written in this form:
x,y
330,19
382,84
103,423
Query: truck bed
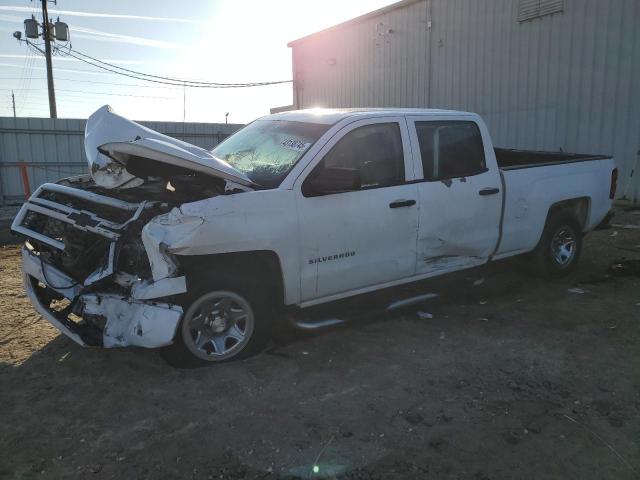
x,y
531,192
509,159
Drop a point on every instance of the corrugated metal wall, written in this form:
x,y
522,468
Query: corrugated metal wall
x,y
366,64
567,81
54,148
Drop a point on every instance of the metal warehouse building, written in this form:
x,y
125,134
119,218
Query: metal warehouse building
x,y
544,74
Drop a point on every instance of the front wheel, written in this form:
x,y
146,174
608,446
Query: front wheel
x,y
220,324
559,248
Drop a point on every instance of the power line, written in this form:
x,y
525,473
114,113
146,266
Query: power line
x,y
134,76
140,85
44,102
26,74
27,70
157,78
89,93
179,81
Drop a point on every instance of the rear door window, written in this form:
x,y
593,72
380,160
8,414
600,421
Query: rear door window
x,y
450,149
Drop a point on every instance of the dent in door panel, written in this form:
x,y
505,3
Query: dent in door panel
x,y
441,254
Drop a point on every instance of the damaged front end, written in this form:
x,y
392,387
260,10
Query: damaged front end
x,y
87,272
94,264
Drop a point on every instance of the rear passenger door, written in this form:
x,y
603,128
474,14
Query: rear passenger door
x,y
460,194
357,211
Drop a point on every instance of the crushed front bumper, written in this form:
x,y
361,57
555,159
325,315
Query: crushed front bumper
x,y
127,321
107,308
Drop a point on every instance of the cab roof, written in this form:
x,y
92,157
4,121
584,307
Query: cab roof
x,y
329,116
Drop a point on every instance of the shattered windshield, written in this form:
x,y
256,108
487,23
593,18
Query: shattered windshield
x,y
266,150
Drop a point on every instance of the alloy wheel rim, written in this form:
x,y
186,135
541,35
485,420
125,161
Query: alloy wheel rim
x,y
563,246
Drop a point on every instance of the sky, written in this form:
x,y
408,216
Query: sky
x,y
225,41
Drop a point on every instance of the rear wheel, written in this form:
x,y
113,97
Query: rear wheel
x,y
223,321
559,248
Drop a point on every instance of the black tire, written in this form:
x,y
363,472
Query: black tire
x,y
180,354
550,261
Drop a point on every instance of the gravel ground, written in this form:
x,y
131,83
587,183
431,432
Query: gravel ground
x,y
512,378
7,214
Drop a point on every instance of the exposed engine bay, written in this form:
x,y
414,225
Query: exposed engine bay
x,y
94,262
85,242
84,247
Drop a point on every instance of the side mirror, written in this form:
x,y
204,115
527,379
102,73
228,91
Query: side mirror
x,y
326,180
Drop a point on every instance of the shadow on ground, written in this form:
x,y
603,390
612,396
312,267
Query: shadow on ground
x,y
511,378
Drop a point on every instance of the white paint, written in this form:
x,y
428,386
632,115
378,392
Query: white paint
x,y
123,138
382,239
458,227
363,245
133,323
449,229
541,187
241,222
162,288
165,230
129,322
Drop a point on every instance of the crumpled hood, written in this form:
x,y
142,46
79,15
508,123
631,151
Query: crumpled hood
x,y
111,141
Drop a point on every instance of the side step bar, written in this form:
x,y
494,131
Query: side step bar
x,y
407,302
310,325
305,323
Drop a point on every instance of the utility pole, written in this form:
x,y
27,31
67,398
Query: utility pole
x,y
13,102
59,32
47,50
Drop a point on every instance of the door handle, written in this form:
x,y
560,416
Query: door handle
x,y
402,203
489,191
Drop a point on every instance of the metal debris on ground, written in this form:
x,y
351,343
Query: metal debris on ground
x,y
577,290
480,281
424,315
625,267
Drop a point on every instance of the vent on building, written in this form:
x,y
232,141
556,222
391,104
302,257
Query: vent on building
x,y
530,9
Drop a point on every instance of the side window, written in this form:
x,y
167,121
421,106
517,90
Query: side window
x,y
367,157
450,149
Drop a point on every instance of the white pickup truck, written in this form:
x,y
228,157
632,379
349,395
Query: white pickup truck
x,y
165,243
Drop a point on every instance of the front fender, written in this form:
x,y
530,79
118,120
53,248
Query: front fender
x,y
244,222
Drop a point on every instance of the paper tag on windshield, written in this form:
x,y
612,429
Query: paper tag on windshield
x,y
293,144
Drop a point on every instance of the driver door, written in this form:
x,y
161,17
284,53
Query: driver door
x,y
358,216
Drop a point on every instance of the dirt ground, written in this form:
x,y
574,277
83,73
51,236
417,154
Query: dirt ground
x,y
513,378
